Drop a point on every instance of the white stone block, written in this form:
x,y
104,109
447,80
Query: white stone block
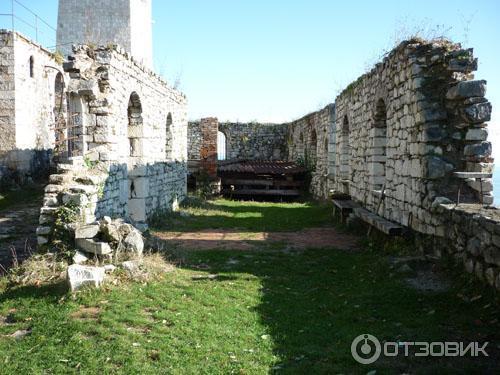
x,y
81,276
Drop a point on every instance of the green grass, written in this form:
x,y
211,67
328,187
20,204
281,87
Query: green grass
x,y
247,215
16,197
264,312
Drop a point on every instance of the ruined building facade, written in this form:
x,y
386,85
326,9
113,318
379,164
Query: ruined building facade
x,y
407,142
125,138
31,86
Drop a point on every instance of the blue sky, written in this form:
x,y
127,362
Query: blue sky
x,y
276,60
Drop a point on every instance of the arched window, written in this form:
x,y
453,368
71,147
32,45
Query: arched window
x,y
221,145
379,146
345,150
32,66
168,137
134,129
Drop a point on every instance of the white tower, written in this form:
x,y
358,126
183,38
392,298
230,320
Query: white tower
x,y
103,22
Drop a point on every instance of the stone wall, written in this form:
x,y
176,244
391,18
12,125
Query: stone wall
x,y
195,140
308,143
406,126
28,75
254,141
472,237
131,127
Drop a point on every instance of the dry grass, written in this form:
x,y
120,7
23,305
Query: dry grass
x,y
87,313
151,267
46,269
40,269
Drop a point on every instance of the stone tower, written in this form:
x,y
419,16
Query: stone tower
x,y
102,22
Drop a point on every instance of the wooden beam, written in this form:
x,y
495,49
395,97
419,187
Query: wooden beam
x,y
262,192
258,182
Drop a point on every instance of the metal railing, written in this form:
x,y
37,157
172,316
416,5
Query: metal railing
x,y
29,23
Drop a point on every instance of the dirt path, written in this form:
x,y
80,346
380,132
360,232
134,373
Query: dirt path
x,y
313,238
17,232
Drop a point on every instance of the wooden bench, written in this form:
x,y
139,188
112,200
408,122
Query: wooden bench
x,y
344,207
383,225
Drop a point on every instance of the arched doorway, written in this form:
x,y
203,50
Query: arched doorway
x,y
221,146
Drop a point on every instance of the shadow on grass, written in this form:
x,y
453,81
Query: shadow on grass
x,y
316,302
51,293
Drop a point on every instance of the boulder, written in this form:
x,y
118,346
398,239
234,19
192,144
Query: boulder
x,y
109,268
134,243
94,247
86,231
125,229
79,258
81,276
131,266
111,233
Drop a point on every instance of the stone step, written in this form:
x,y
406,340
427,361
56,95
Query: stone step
x,y
383,225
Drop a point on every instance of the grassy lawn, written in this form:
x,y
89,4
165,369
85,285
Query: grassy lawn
x,y
252,312
248,215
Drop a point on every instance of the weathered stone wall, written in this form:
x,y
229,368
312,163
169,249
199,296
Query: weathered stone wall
x,y
406,126
27,104
195,140
472,237
254,141
308,143
131,127
127,23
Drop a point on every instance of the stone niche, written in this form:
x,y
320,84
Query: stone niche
x,y
131,129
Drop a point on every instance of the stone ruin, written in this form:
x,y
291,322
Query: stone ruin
x,y
406,143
